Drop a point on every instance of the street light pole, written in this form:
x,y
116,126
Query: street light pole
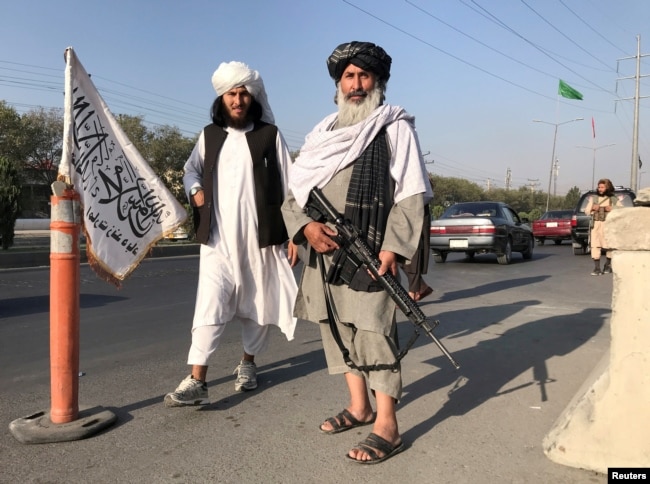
x,y
550,177
593,164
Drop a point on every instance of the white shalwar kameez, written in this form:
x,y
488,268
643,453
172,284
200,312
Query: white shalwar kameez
x,y
238,281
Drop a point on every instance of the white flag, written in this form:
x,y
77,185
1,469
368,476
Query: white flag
x,y
126,207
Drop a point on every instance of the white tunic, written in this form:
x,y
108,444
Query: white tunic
x,y
237,278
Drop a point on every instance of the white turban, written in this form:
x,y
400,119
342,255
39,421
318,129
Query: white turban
x,y
235,74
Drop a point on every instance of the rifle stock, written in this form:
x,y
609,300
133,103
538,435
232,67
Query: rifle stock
x,y
350,238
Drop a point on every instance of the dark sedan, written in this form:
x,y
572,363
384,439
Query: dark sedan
x,y
479,228
554,225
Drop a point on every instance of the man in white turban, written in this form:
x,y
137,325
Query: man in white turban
x,y
367,160
236,181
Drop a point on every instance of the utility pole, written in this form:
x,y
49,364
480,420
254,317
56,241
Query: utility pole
x,y
635,137
532,183
487,182
556,172
508,178
634,170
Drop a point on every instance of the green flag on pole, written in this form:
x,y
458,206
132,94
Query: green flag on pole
x,y
568,92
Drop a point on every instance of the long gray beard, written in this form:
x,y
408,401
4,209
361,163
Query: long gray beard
x,y
353,113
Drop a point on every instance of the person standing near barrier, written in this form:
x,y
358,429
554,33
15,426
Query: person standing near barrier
x,y
598,207
367,161
236,181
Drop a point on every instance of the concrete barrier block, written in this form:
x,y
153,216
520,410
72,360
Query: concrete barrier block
x,y
608,423
627,229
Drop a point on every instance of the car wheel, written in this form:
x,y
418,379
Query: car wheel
x,y
540,240
440,257
558,241
528,253
469,255
505,257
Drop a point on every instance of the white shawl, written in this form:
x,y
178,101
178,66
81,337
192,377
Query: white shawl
x,y
328,151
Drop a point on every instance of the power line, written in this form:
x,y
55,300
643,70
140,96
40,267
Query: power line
x,y
155,109
53,83
591,28
538,48
478,41
491,74
563,34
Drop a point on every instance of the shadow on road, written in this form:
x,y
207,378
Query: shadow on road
x,y
272,375
23,306
464,322
485,289
269,376
488,367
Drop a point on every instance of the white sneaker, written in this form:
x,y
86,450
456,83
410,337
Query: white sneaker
x,y
246,376
189,392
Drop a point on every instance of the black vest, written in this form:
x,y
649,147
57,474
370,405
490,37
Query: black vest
x,y
268,183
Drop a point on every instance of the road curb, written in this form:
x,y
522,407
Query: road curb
x,y
40,257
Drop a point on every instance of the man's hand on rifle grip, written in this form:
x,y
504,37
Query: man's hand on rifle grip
x,y
320,236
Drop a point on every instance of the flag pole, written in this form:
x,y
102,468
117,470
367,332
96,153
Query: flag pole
x,y
65,421
550,176
64,304
567,91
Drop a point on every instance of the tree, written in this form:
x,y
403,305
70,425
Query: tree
x,y
136,131
10,187
447,191
436,211
42,142
10,133
294,154
572,197
523,199
168,151
535,214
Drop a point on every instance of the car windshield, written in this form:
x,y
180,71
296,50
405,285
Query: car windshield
x,y
624,200
471,210
557,214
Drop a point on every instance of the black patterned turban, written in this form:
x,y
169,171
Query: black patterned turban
x,y
364,55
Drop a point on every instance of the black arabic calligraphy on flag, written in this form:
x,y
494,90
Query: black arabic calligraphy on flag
x,y
126,207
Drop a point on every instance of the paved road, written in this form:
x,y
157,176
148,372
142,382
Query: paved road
x,y
31,249
527,335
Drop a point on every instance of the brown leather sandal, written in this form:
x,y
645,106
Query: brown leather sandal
x,y
344,421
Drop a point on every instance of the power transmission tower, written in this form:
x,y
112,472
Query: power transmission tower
x,y
508,178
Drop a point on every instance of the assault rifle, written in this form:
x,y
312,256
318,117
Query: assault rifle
x,y
349,238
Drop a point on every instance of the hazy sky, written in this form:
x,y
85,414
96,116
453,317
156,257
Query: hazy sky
x,y
474,73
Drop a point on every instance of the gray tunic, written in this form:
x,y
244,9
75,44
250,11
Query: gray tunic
x,y
370,311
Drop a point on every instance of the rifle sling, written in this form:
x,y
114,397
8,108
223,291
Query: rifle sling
x,y
333,319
